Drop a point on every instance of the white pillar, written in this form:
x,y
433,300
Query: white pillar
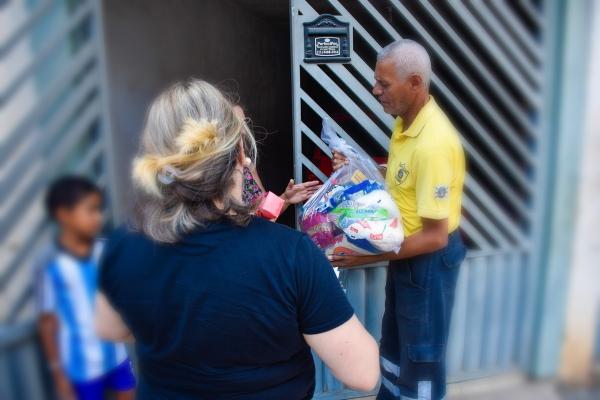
x,y
583,304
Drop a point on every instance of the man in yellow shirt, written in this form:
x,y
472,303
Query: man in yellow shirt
x,y
425,175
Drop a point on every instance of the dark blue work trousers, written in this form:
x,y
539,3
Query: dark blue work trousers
x,y
418,306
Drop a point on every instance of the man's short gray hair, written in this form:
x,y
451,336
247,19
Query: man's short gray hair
x,y
410,58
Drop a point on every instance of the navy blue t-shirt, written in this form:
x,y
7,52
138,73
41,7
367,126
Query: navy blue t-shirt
x,y
220,315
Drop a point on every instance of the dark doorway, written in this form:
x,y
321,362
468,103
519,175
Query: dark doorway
x,y
243,46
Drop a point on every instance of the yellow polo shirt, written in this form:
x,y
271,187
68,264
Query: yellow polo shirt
x,y
426,169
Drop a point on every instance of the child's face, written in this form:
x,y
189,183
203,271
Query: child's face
x,y
84,218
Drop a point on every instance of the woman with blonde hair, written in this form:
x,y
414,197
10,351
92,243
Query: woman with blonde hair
x,y
221,304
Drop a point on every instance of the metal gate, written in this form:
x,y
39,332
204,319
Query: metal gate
x,y
487,60
54,121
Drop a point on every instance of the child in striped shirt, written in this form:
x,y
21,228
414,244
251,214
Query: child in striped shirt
x,y
83,366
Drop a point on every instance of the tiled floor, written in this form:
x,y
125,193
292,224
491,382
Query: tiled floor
x,y
520,391
545,391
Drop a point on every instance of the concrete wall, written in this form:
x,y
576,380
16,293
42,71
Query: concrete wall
x,y
151,43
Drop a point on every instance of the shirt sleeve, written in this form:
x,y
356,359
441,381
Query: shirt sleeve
x,y
45,291
322,304
107,259
104,271
433,183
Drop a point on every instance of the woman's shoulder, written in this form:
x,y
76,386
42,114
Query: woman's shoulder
x,y
125,237
275,230
282,238
126,232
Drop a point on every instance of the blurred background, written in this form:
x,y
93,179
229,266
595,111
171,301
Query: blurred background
x,y
519,79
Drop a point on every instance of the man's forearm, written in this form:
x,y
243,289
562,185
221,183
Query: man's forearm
x,y
417,244
433,237
420,243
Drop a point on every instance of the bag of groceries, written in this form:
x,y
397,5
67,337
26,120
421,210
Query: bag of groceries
x,y
352,213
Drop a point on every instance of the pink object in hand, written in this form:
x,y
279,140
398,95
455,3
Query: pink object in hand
x,y
271,206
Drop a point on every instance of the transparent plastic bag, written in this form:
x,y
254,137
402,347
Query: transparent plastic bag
x,y
352,213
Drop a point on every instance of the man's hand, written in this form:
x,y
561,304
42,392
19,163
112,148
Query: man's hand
x,y
353,261
432,237
338,160
64,390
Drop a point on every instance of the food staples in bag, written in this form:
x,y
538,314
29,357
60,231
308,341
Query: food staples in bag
x,y
352,213
348,246
381,234
319,228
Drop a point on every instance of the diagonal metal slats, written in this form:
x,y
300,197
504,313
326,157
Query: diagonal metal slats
x,y
25,26
497,107
468,53
39,145
500,31
367,73
473,90
510,19
494,51
45,52
509,230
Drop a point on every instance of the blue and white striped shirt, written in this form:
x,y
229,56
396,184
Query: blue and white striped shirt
x,y
67,287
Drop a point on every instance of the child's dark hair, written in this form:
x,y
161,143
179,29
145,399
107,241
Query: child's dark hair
x,y
67,191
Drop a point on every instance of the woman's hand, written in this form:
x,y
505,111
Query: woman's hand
x,y
338,160
298,193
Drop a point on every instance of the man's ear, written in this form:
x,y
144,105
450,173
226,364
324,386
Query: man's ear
x,y
415,81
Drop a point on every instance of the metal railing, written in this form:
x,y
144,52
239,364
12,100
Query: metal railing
x,y
23,375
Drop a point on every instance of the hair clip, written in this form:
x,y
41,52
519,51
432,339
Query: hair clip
x,y
167,174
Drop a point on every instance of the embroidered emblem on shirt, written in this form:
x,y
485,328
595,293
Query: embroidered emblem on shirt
x,y
441,192
402,173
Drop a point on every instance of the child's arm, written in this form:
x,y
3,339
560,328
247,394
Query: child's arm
x,y
109,324
48,326
48,330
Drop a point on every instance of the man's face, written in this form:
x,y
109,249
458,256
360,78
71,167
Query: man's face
x,y
394,93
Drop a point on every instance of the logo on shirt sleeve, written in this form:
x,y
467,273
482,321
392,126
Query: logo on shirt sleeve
x,y
441,192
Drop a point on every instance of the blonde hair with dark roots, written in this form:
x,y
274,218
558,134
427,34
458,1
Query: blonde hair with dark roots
x,y
190,145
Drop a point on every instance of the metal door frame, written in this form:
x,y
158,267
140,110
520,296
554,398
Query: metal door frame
x,y
534,269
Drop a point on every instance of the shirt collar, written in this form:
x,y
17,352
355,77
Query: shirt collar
x,y
420,120
62,249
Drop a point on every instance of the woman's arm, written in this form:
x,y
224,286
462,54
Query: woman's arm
x,y
350,352
328,323
109,324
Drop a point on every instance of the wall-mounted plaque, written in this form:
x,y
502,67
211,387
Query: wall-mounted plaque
x,y
326,40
